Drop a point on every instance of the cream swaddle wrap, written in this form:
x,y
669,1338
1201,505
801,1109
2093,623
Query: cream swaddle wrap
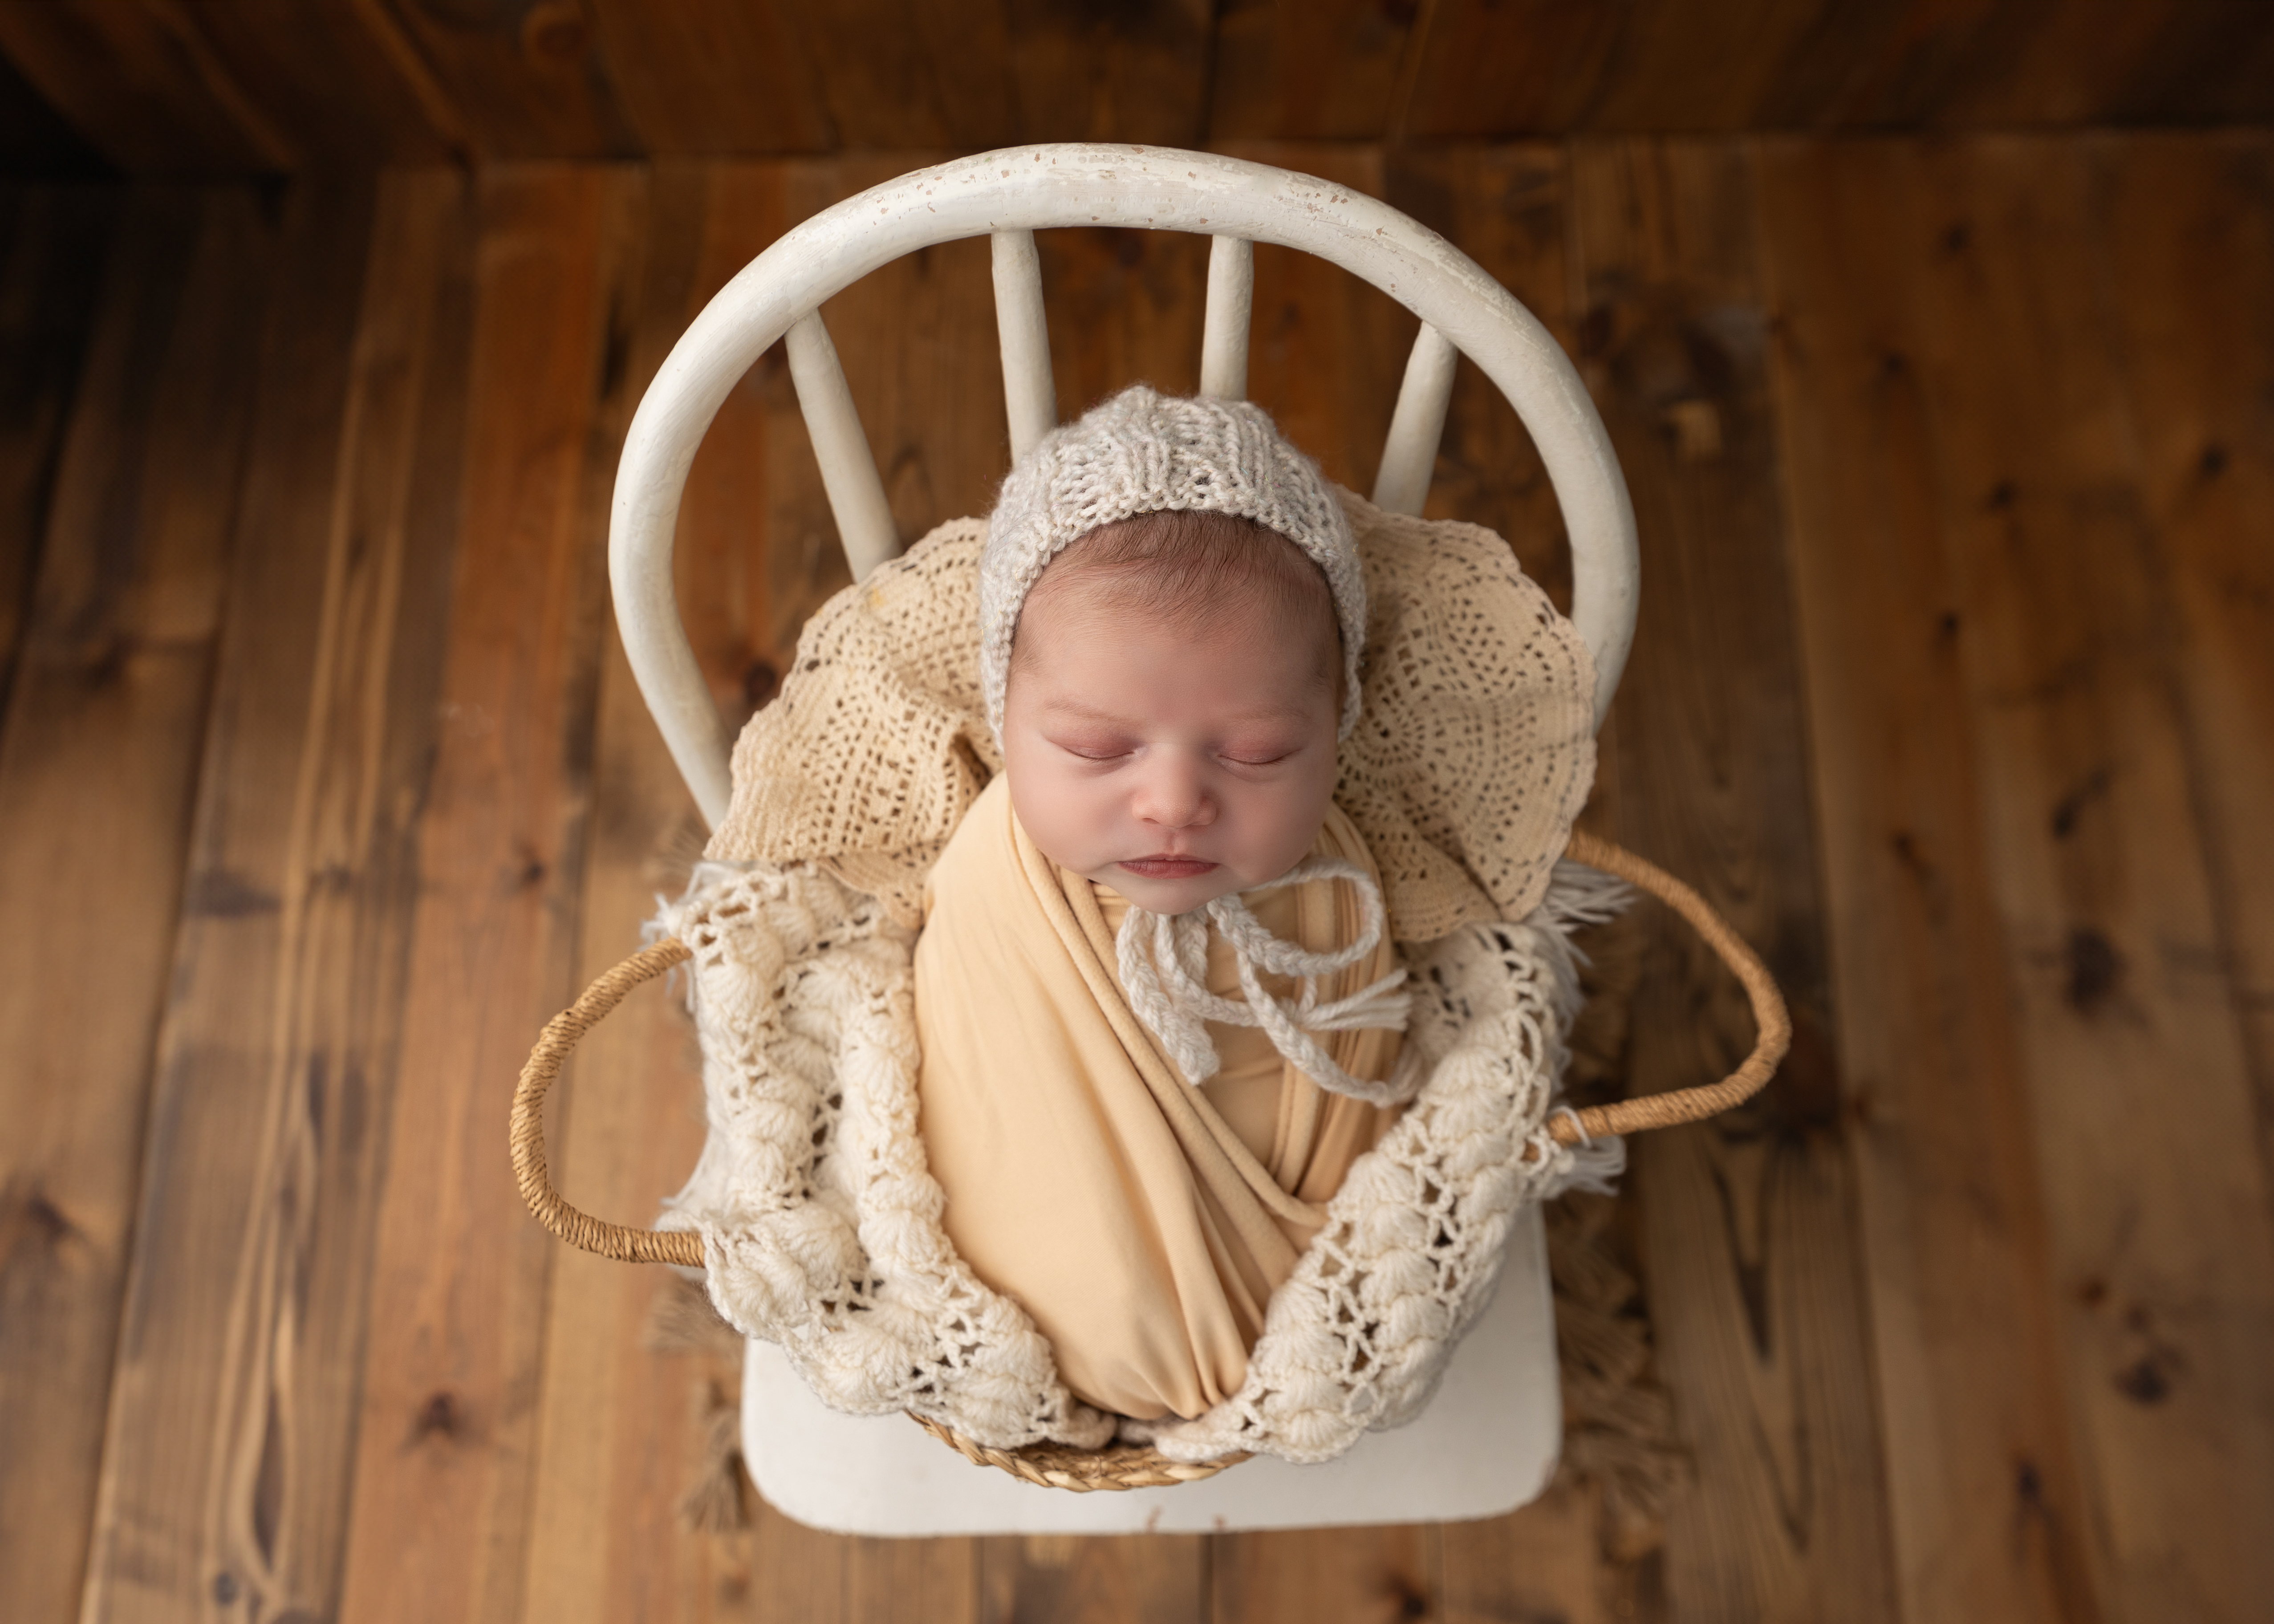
x,y
1143,1222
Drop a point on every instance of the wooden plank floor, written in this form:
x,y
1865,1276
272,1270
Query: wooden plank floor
x,y
323,781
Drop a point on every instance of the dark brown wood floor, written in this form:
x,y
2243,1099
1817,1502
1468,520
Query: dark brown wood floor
x,y
323,783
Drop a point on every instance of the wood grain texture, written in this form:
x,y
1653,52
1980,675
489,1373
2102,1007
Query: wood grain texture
x,y
915,73
619,1436
759,517
1290,72
2160,1222
917,341
253,86
52,241
1135,71
1545,1561
2205,62
1124,307
445,1463
1690,68
714,78
1641,66
1350,1575
318,76
2073,847
1508,208
98,767
726,551
2187,228
201,1370
526,78
143,83
233,1412
1155,1579
1528,68
1986,1496
911,1581
1747,1223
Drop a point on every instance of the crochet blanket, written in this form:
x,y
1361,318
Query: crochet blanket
x,y
1473,752
820,1221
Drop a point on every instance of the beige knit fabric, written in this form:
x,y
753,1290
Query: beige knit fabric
x,y
1474,751
1145,452
821,1222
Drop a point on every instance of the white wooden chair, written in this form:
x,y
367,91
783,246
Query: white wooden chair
x,y
1489,1440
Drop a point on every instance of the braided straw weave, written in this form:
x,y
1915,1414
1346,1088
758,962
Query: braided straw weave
x,y
581,1229
1057,1466
1772,1022
1129,1466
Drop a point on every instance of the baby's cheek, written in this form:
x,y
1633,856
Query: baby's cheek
x,y
1282,821
1057,815
1319,795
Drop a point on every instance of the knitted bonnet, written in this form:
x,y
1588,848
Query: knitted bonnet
x,y
1144,451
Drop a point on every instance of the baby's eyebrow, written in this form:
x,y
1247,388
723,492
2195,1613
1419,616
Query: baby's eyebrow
x,y
1067,706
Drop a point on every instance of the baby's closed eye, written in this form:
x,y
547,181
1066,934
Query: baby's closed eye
x,y
1095,749
1259,755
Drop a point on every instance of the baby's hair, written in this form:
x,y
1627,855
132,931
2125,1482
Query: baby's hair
x,y
1185,567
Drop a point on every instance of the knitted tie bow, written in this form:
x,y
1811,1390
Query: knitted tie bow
x,y
1167,986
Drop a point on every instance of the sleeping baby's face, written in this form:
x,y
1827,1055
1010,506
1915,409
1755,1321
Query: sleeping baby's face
x,y
1169,728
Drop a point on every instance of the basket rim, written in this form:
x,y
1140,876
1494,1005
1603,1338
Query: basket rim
x,y
1112,1466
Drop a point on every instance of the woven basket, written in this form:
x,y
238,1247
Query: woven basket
x,y
1059,1466
1120,1465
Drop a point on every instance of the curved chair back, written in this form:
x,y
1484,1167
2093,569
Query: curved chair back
x,y
1008,195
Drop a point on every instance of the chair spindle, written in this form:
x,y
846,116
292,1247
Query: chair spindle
x,y
1029,395
848,471
1230,302
1409,456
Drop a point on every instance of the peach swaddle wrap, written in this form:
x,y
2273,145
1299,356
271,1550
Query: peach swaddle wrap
x,y
1143,1223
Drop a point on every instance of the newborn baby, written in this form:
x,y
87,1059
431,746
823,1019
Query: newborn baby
x,y
1158,1013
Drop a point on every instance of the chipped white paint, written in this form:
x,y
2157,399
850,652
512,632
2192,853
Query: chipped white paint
x,y
848,471
1224,331
1029,395
1409,454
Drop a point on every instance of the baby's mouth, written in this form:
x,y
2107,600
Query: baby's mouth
x,y
1167,868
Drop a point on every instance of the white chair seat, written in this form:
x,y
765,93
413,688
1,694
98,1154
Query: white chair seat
x,y
1486,1445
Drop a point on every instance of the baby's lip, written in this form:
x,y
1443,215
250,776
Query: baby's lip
x,y
1162,866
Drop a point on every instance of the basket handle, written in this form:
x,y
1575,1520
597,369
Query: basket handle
x,y
684,1247
1772,1022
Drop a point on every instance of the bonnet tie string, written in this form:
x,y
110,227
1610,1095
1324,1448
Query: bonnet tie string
x,y
1163,962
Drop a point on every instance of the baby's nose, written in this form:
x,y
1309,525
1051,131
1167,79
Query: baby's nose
x,y
1173,796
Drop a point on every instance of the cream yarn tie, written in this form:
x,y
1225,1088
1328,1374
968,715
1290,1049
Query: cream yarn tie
x,y
1163,960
